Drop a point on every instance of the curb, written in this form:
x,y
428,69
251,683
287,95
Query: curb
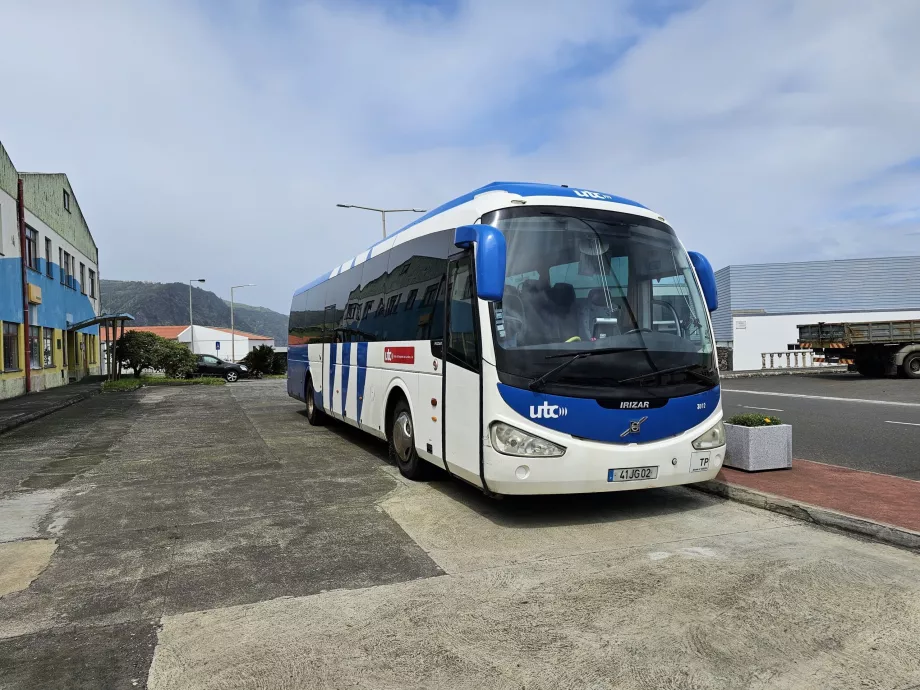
x,y
9,425
889,534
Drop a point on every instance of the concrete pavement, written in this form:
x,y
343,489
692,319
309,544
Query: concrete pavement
x,y
210,538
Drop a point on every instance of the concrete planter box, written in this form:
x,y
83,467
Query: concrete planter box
x,y
756,448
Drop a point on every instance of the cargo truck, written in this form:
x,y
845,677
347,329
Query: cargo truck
x,y
876,348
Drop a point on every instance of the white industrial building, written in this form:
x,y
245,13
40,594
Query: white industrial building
x,y
761,305
210,340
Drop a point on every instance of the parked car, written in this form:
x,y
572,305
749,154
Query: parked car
x,y
208,365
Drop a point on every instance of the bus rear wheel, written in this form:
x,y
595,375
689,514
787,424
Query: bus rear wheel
x,y
315,415
402,444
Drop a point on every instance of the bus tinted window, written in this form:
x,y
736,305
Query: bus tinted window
x,y
371,294
415,270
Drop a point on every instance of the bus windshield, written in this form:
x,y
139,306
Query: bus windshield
x,y
580,279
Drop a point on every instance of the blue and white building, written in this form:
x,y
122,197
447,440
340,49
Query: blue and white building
x,y
61,285
761,305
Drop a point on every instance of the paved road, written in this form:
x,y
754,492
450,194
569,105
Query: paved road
x,y
209,538
846,420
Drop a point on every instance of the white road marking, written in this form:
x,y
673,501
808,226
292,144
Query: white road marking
x,y
904,423
769,409
823,397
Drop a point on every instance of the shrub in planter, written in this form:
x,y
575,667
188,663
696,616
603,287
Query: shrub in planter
x,y
757,442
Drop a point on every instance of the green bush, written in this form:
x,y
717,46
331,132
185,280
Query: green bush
x,y
751,419
175,359
260,359
140,350
137,350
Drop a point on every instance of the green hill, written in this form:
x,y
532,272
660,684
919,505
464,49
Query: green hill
x,y
166,304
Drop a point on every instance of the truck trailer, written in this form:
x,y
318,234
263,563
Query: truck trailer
x,y
877,348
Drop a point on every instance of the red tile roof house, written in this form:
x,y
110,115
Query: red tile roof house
x,y
211,340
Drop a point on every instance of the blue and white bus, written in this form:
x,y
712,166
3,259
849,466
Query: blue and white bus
x,y
526,338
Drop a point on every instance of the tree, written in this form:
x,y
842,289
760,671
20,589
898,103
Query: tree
x,y
279,363
137,350
175,359
260,359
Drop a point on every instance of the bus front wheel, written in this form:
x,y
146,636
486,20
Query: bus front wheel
x,y
402,443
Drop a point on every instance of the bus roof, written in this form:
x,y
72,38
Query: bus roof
x,y
519,188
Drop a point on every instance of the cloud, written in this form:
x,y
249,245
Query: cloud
x,y
215,138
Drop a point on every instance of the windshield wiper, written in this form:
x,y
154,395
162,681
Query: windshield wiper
x,y
692,369
538,383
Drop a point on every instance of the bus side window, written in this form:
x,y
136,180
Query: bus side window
x,y
462,347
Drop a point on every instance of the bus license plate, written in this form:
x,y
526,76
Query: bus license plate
x,y
632,474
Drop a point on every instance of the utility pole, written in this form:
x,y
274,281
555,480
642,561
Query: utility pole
x,y
191,321
232,327
383,212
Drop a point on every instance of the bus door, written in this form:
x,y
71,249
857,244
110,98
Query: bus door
x,y
462,412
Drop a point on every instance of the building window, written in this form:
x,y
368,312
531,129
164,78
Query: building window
x,y
73,272
62,272
92,283
431,292
48,347
66,201
10,346
410,300
67,269
35,344
32,248
49,264
392,304
82,278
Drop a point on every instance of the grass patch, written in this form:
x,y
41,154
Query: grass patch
x,y
274,376
754,420
132,384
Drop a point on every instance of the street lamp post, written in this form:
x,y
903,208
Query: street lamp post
x,y
232,327
191,321
383,212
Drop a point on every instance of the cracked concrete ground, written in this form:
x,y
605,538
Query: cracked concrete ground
x,y
209,538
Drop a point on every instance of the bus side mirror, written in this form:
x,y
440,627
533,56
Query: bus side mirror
x,y
489,246
707,279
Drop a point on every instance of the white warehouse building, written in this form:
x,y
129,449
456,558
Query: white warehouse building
x,y
761,305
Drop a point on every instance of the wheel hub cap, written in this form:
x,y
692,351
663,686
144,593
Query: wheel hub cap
x,y
402,435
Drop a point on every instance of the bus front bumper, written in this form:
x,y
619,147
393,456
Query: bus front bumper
x,y
591,467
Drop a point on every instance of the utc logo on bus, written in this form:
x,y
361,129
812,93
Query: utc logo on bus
x,y
585,194
547,411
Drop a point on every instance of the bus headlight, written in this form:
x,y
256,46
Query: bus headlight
x,y
713,438
509,440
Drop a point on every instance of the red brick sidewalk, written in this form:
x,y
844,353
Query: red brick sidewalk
x,y
876,497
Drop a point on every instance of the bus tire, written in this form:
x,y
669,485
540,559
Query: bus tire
x,y
910,367
401,438
315,415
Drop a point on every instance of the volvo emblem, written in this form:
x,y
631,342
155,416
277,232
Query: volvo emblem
x,y
634,428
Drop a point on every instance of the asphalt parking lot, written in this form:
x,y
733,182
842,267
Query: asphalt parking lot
x,y
209,538
840,419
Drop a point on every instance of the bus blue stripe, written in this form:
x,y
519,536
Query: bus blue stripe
x,y
362,375
346,370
